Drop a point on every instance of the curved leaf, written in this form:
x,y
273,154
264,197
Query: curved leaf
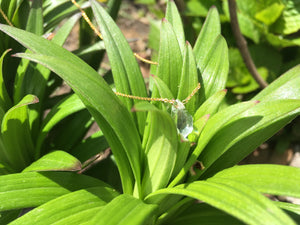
x,y
214,124
161,151
103,104
169,57
32,189
5,101
201,213
284,87
126,72
246,132
268,179
215,72
211,105
61,110
234,198
173,16
189,79
55,161
74,208
208,34
18,149
124,210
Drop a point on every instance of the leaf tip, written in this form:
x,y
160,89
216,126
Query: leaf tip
x,y
35,100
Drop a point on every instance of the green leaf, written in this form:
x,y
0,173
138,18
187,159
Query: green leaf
x,y
268,179
189,79
19,87
161,151
201,213
284,87
246,132
124,210
214,73
103,104
169,58
234,198
126,72
91,146
210,31
57,11
31,189
61,110
35,18
163,89
288,23
55,161
211,105
18,149
173,16
74,208
214,124
5,101
289,207
270,14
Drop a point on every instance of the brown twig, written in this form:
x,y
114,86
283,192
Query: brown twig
x,y
94,160
242,45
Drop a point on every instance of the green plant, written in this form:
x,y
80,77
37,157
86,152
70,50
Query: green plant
x,y
161,172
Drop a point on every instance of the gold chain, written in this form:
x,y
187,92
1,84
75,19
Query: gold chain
x,y
171,101
87,19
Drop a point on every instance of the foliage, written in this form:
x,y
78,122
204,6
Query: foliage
x,y
161,172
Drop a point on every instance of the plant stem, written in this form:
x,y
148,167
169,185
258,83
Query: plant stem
x,y
242,45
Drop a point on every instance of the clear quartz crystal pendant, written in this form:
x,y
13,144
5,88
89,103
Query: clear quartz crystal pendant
x,y
183,119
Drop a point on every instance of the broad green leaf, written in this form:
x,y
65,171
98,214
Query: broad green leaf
x,y
5,101
18,149
35,18
173,16
201,213
161,151
268,179
124,210
169,58
189,79
284,87
31,189
199,124
126,72
211,105
74,208
270,14
89,147
245,132
163,90
234,198
290,207
55,161
61,110
19,88
288,23
103,104
214,73
182,154
55,11
214,124
70,131
208,34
